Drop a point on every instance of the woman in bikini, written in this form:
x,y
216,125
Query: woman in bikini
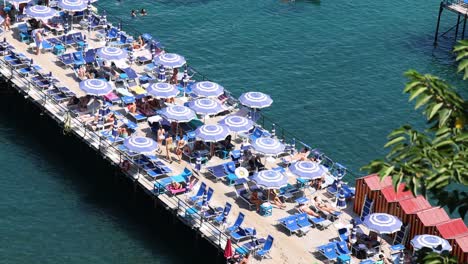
x,y
180,148
322,206
169,146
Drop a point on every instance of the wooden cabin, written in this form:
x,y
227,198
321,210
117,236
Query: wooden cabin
x,y
369,186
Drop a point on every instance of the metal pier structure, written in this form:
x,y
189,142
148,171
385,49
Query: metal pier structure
x,y
460,9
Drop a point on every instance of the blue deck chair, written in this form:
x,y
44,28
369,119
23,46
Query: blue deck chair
x,y
367,261
222,217
120,42
218,171
343,234
290,223
342,248
256,133
243,193
199,194
240,234
78,58
329,251
265,251
209,195
237,223
230,167
112,34
303,222
131,74
66,59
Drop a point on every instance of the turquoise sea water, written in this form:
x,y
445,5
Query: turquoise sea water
x,y
334,70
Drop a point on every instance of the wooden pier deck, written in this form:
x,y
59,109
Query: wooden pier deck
x,y
286,248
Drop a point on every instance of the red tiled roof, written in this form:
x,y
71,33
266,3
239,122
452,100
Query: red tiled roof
x,y
401,194
433,216
374,182
452,228
416,204
462,242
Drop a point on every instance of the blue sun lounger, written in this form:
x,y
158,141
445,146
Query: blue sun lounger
x,y
241,234
222,217
265,251
329,251
217,171
209,195
199,194
237,223
342,248
290,223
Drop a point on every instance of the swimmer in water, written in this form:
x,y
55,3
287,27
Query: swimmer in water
x,y
143,12
133,13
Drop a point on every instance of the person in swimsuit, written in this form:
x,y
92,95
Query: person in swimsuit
x,y
255,200
322,206
37,35
180,148
169,147
161,134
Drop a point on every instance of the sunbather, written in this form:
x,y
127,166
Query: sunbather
x,y
304,208
175,72
139,43
322,206
255,200
7,23
132,108
170,100
180,148
83,105
317,183
176,186
276,200
161,134
110,118
123,132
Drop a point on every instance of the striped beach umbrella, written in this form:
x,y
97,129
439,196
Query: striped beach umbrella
x,y
162,90
162,74
40,12
430,241
341,202
212,133
237,124
72,5
95,87
207,89
17,2
170,60
178,113
268,146
307,169
255,100
205,106
140,144
270,179
111,53
382,223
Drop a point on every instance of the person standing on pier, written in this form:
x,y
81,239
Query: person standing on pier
x,y
37,36
161,134
7,23
169,146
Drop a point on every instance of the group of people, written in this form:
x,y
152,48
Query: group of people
x,y
178,149
142,12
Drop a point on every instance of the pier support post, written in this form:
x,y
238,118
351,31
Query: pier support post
x,y
456,29
464,26
441,8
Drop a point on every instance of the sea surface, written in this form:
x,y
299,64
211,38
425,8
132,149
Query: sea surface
x,y
335,72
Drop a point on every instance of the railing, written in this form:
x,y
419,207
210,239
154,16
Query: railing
x,y
264,121
208,229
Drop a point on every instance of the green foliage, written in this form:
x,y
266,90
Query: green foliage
x,y
427,256
429,161
462,57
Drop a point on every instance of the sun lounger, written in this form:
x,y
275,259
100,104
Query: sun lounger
x,y
243,194
237,223
303,222
222,217
146,59
265,251
209,195
317,222
217,171
112,97
241,234
199,194
66,59
290,223
342,248
138,90
329,251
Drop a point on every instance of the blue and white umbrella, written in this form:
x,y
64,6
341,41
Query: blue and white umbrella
x,y
207,89
212,133
268,146
430,241
205,106
111,53
178,113
382,223
41,12
237,124
162,90
73,5
341,202
141,144
255,100
307,169
95,87
17,2
270,179
162,74
170,60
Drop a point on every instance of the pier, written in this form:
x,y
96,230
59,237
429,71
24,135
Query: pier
x,y
460,9
47,81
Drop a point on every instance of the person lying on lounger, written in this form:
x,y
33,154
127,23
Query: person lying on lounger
x,y
276,200
176,186
304,208
322,206
300,156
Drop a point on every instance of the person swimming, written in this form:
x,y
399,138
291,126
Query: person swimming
x,y
133,14
143,12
